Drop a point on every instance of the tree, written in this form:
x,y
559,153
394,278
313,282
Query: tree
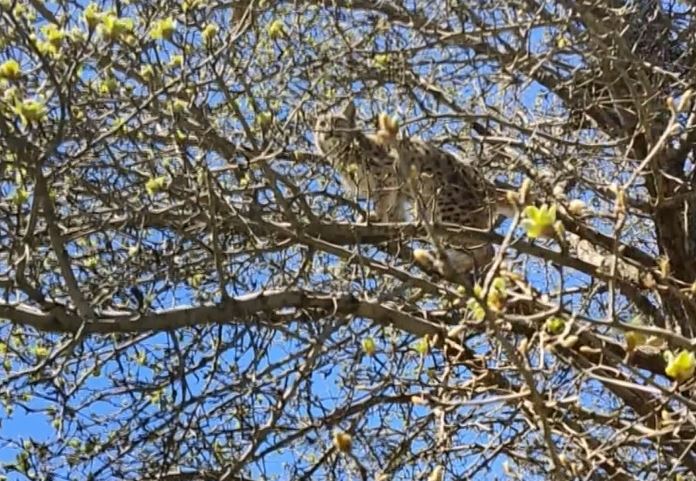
x,y
188,294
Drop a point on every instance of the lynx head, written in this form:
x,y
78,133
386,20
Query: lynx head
x,y
334,133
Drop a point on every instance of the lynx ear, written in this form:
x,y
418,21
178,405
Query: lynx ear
x,y
349,112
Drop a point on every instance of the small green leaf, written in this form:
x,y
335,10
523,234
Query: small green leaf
x,y
555,326
178,106
20,196
497,294
381,60
264,119
176,61
91,262
196,280
476,309
635,339
369,346
147,72
108,86
422,346
156,184
275,29
41,351
188,5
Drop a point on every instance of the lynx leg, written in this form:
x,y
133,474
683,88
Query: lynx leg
x,y
386,206
465,261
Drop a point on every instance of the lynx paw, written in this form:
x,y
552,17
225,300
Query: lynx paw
x,y
425,260
455,262
374,217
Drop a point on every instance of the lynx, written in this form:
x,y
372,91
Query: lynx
x,y
397,172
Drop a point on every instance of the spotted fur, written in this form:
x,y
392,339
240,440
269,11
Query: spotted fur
x,y
397,172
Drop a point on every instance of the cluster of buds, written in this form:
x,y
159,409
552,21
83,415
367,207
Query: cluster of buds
x,y
387,129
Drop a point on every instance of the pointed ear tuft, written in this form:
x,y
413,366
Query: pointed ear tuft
x,y
349,112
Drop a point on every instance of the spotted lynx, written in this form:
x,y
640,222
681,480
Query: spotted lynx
x,y
397,172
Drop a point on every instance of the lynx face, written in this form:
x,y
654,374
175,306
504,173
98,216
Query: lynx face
x,y
364,162
334,135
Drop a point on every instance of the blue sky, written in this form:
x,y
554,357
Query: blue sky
x,y
239,358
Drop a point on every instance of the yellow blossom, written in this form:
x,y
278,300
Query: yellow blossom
x,y
680,367
30,110
539,221
163,29
53,34
92,15
10,70
209,33
115,28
